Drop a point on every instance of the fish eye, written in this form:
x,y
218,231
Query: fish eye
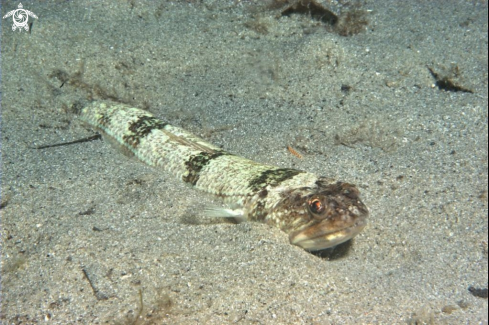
x,y
315,205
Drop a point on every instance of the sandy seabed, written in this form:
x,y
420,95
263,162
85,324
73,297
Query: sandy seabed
x,y
399,108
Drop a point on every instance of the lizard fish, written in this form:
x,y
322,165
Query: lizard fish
x,y
316,212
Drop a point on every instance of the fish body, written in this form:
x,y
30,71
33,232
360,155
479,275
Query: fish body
x,y
316,212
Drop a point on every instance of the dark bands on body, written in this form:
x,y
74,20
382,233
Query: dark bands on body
x,y
316,212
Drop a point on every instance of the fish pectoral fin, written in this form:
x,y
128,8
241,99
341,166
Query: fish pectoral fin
x,y
221,212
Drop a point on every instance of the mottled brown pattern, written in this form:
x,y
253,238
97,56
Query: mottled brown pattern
x,y
104,120
272,177
141,128
316,212
196,163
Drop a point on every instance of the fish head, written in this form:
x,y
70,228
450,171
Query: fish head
x,y
326,216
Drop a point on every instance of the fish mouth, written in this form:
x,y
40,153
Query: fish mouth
x,y
315,238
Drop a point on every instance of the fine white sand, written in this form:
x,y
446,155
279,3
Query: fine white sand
x,y
90,236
